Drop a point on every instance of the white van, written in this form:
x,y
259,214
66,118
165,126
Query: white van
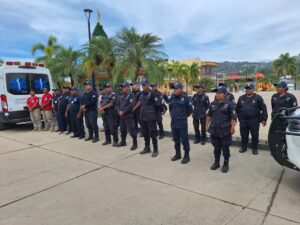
x,y
16,81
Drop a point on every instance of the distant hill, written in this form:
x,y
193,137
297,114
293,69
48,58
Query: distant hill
x,y
244,67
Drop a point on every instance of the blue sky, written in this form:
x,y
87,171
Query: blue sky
x,y
213,30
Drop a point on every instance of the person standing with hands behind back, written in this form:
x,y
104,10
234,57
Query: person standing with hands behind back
x,y
89,108
180,109
251,111
46,105
34,110
220,123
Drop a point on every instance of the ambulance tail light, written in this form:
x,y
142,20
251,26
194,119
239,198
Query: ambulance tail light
x,y
4,104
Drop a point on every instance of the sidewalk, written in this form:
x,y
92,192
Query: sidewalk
x,y
54,180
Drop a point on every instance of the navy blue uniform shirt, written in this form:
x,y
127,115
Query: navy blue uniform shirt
x,y
89,99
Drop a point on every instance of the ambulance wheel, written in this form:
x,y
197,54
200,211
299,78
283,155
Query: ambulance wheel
x,y
2,126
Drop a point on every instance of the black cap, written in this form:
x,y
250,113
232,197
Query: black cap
x,y
222,89
199,86
153,85
74,89
281,84
145,81
249,86
88,82
125,84
178,86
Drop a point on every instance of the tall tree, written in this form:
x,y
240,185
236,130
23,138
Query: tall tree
x,y
137,52
100,55
285,65
194,73
49,50
1,61
66,64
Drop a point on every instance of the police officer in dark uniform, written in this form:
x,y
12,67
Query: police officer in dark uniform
x,y
73,110
136,110
148,103
229,96
159,110
62,107
89,108
282,99
124,108
201,103
56,98
220,123
109,115
251,111
180,108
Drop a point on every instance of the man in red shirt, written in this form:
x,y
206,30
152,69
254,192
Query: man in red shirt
x,y
46,106
34,110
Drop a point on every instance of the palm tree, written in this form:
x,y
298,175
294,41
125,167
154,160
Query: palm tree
x,y
285,65
100,55
194,73
49,50
181,72
1,61
138,52
66,64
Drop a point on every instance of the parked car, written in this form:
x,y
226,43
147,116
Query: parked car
x,y
284,138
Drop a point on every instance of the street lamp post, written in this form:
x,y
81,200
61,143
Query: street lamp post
x,y
88,13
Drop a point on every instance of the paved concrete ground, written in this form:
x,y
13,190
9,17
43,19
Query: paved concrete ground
x,y
50,179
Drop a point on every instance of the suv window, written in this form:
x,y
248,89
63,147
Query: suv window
x,y
22,83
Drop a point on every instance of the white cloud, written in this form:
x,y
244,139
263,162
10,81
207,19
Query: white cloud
x,y
213,30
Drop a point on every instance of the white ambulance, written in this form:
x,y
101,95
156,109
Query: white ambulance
x,y
16,81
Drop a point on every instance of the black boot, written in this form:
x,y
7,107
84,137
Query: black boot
x,y
89,138
216,164
186,158
155,151
203,140
96,139
176,156
197,140
243,149
115,144
254,151
106,142
121,144
146,150
134,144
225,166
